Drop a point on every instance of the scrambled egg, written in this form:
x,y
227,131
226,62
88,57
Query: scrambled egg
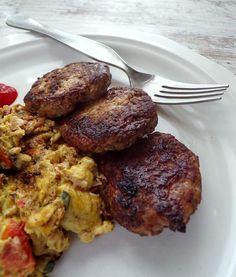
x,y
53,190
16,125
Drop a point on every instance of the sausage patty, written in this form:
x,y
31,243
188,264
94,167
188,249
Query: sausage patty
x,y
152,185
58,92
114,122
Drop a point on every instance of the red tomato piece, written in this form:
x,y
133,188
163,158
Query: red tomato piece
x,y
16,256
7,95
20,203
5,162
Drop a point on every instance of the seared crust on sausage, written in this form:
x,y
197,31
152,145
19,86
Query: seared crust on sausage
x,y
114,122
152,185
58,92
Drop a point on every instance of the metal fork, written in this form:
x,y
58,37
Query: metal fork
x,y
161,90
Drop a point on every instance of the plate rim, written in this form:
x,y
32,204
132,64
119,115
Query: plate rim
x,y
209,67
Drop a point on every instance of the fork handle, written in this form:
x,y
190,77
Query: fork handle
x,y
91,48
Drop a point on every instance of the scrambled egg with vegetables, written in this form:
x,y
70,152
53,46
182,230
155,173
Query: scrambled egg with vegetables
x,y
46,190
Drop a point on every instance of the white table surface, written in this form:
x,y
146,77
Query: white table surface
x,y
207,26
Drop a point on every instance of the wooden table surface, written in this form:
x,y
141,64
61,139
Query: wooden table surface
x,y
207,26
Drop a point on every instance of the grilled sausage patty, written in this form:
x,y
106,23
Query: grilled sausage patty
x,y
152,185
114,122
58,92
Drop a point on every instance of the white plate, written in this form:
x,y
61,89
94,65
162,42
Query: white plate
x,y
208,248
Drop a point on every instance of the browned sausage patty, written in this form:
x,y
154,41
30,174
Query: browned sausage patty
x,y
113,122
58,92
152,185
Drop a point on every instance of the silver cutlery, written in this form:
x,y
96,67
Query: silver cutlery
x,y
161,90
